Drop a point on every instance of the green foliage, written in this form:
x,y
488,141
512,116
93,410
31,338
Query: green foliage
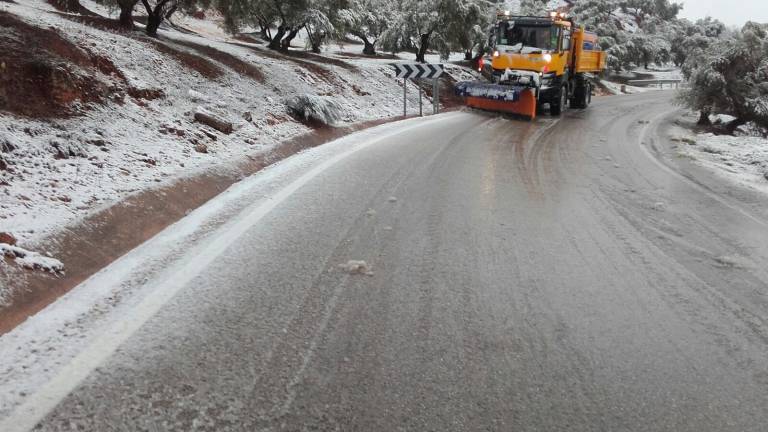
x,y
533,7
730,76
367,20
632,32
442,25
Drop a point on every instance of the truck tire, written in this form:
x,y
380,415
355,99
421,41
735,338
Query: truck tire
x,y
582,92
557,107
582,95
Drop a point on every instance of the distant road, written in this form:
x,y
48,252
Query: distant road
x,y
525,276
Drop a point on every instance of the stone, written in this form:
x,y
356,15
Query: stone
x,y
7,238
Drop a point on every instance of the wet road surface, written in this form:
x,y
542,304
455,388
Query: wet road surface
x,y
551,276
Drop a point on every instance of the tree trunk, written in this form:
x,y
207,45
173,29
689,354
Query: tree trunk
x,y
264,32
733,124
369,48
213,121
153,23
171,11
275,42
479,54
317,44
286,42
477,57
423,47
126,13
315,40
704,118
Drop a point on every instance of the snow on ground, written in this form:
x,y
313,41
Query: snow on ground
x,y
618,88
63,169
743,159
101,9
653,73
37,350
662,73
29,259
356,267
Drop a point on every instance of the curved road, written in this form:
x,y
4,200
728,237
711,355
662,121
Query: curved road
x,y
559,275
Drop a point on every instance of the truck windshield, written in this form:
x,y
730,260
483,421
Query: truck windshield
x,y
543,37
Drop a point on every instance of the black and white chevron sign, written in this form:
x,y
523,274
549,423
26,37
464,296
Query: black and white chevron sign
x,y
417,70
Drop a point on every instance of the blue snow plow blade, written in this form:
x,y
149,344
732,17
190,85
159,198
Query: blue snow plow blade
x,y
489,91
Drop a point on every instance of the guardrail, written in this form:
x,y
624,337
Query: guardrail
x,y
659,82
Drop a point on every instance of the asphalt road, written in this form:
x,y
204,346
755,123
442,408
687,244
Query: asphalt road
x,y
559,275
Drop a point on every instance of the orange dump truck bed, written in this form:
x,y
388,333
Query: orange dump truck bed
x,y
588,57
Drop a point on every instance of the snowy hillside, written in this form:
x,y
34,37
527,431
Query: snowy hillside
x,y
68,163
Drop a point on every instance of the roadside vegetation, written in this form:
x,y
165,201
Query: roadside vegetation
x,y
728,74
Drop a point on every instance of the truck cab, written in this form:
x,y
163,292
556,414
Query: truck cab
x,y
549,54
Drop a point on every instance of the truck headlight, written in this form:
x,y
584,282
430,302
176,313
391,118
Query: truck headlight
x,y
547,78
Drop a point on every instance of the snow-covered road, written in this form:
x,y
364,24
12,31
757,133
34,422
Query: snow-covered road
x,y
554,275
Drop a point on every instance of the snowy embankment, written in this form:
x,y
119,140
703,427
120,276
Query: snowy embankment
x,y
742,159
132,119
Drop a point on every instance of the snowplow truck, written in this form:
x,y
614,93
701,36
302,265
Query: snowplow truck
x,y
536,61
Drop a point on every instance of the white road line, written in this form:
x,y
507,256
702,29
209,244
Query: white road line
x,y
43,401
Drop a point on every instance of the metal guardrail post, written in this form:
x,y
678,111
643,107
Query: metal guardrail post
x,y
659,82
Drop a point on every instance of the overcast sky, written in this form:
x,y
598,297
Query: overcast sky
x,y
731,12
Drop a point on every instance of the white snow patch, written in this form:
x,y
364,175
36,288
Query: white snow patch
x,y
31,260
721,118
356,267
196,96
730,261
619,89
661,74
743,160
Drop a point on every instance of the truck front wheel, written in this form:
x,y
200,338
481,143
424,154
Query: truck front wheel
x,y
558,106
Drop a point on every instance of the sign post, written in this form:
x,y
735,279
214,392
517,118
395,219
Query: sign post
x,y
435,97
418,83
405,81
419,71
